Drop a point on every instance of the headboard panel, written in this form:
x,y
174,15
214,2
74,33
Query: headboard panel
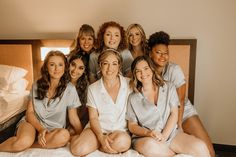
x,y
183,52
20,56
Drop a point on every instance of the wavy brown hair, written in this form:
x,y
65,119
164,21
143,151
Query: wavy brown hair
x,y
82,82
144,44
101,32
44,81
135,84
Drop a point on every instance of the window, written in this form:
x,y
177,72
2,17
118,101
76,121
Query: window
x,y
45,50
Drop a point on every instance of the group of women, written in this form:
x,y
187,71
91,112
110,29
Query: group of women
x,y
111,93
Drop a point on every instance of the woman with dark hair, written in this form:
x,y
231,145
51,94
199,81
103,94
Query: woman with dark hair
x,y
188,118
78,77
152,114
107,98
136,39
111,35
52,96
84,43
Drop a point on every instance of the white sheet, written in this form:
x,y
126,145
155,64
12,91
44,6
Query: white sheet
x,y
12,104
65,152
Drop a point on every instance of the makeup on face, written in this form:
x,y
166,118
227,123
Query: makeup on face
x,y
112,37
56,67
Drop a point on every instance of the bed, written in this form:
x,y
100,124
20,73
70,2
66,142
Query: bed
x,y
16,76
187,48
11,104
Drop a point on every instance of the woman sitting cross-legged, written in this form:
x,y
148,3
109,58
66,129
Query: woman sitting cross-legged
x,y
78,77
106,101
52,96
152,114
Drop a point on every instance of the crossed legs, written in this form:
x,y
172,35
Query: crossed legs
x,y
87,142
149,147
24,139
193,126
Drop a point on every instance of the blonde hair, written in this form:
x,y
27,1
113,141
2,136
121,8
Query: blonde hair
x,y
84,29
143,37
106,53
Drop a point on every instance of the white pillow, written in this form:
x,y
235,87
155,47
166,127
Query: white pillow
x,y
9,74
18,86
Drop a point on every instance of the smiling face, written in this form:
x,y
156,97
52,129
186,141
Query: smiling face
x,y
143,72
135,37
76,69
86,42
110,66
56,67
160,55
112,37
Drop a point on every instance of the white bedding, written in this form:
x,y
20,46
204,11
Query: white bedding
x,y
65,152
11,104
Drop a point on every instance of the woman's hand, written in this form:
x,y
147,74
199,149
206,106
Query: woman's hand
x,y
156,135
106,142
41,137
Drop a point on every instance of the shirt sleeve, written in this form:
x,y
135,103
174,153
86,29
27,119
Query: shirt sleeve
x,y
127,61
90,99
174,99
74,101
130,114
178,77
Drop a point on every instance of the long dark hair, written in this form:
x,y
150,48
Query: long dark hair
x,y
44,82
135,84
82,82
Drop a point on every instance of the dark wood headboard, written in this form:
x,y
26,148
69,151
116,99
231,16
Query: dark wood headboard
x,y
183,52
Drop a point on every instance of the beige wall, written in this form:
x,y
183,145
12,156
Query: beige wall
x,y
211,22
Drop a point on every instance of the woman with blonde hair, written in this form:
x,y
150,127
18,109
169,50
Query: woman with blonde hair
x,y
106,101
136,39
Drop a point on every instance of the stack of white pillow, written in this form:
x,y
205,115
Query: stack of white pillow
x,y
12,79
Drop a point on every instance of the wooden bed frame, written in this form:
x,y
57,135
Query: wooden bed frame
x,y
183,52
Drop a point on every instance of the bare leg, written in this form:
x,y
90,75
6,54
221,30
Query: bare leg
x,y
84,143
149,147
188,144
55,139
24,139
193,126
121,140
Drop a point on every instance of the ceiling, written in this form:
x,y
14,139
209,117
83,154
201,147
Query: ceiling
x,y
54,19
